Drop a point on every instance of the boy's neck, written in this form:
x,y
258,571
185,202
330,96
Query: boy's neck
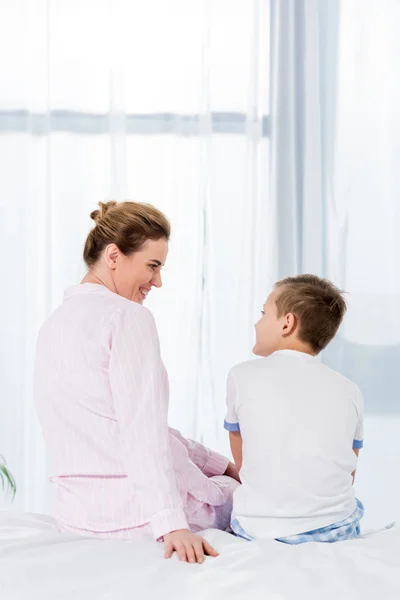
x,y
295,345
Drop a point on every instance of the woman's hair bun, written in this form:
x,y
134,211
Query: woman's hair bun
x,y
104,207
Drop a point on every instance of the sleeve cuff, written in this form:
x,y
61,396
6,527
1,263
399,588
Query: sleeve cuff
x,y
231,426
357,444
216,464
168,520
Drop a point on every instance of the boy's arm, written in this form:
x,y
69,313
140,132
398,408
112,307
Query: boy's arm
x,y
231,423
358,441
235,440
356,452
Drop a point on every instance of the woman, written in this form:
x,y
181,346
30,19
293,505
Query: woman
x,y
101,392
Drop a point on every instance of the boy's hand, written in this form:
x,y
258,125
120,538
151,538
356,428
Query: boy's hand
x,y
188,546
231,471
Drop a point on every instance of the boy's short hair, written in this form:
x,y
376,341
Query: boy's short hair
x,y
318,305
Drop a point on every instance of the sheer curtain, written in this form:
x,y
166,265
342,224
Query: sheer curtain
x,y
160,102
335,187
364,221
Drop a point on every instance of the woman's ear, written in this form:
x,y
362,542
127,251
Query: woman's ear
x,y
111,254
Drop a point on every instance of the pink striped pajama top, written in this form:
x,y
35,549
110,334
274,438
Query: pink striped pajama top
x,y
101,393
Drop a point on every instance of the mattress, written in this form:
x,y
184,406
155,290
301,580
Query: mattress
x,y
38,563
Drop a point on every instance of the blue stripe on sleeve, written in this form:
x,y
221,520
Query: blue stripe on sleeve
x,y
357,444
231,426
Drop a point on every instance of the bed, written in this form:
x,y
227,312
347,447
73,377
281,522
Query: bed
x,y
38,563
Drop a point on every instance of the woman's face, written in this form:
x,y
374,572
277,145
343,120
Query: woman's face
x,y
133,276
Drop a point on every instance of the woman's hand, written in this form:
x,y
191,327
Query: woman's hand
x,y
231,471
188,546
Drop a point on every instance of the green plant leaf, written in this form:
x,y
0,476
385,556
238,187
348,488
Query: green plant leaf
x,y
6,479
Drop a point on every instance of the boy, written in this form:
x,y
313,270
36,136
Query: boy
x,y
296,426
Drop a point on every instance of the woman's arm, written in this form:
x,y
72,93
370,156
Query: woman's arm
x,y
140,397
141,406
209,462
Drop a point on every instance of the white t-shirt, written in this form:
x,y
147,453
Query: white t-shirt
x,y
299,421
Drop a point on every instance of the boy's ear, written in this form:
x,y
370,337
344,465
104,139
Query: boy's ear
x,y
289,324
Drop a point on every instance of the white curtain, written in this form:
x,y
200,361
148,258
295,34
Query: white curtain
x,y
160,102
335,188
267,130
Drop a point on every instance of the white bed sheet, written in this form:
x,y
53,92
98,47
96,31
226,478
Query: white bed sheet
x,y
37,563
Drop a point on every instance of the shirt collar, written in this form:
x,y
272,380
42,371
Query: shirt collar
x,y
84,288
295,354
